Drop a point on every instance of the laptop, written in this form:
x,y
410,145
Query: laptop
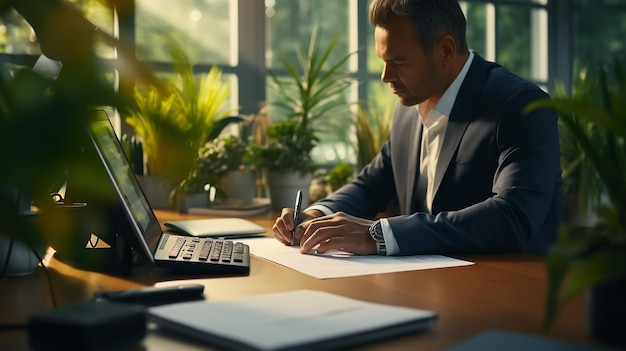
x,y
167,250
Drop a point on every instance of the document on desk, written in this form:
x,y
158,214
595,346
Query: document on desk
x,y
339,264
292,320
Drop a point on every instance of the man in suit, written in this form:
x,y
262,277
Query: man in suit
x,y
472,170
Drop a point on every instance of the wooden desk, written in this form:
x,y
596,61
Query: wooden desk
x,y
499,291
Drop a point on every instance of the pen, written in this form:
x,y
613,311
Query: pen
x,y
296,214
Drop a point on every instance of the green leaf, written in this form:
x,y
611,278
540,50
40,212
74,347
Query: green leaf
x,y
314,89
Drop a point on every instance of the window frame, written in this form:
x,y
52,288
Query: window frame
x,y
251,70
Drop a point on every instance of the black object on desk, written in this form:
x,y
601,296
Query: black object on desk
x,y
89,326
154,296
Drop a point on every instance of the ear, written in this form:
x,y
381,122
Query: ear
x,y
445,50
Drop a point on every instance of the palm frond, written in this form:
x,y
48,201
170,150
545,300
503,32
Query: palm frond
x,y
175,121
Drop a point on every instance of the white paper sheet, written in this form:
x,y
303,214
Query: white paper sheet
x,y
339,264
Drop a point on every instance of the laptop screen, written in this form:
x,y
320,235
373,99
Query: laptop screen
x,y
141,217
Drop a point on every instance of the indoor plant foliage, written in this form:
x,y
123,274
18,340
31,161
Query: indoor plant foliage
x,y
216,159
581,184
591,256
288,148
175,120
313,90
373,127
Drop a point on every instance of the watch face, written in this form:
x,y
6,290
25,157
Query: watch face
x,y
376,231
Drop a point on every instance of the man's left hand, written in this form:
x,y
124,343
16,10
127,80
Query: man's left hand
x,y
338,231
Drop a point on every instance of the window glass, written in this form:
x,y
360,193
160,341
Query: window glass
x,y
374,64
513,40
202,27
476,32
289,24
16,35
598,36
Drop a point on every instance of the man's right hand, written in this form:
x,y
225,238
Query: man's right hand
x,y
284,225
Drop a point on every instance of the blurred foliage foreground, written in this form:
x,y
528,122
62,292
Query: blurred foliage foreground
x,y
43,122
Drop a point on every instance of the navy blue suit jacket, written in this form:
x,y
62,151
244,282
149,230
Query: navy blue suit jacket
x,y
498,179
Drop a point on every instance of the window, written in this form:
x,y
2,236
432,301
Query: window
x,y
202,27
16,36
289,25
543,40
514,34
598,31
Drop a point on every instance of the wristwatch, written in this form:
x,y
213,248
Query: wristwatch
x,y
376,231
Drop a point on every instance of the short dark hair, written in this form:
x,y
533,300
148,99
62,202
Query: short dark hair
x,y
431,19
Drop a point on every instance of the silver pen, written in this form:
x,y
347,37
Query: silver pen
x,y
296,214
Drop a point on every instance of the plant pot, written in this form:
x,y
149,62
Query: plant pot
x,y
239,188
606,308
157,191
186,201
284,186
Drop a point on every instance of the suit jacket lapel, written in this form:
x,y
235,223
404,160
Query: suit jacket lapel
x,y
405,143
460,116
413,159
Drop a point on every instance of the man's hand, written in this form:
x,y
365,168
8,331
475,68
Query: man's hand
x,y
284,225
339,231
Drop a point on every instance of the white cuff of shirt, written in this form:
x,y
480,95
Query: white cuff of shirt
x,y
390,240
325,210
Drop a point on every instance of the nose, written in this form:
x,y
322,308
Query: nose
x,y
387,74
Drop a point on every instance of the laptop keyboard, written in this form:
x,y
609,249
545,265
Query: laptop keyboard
x,y
215,250
210,254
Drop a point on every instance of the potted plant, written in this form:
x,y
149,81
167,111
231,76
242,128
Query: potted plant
x,y
326,182
223,169
313,91
340,175
593,257
174,120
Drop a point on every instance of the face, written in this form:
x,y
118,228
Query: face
x,y
412,75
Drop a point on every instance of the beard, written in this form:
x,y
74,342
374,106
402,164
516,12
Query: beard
x,y
410,100
405,97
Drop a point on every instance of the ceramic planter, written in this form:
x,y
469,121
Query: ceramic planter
x,y
284,186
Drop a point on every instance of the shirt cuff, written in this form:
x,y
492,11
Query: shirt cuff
x,y
390,240
325,210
